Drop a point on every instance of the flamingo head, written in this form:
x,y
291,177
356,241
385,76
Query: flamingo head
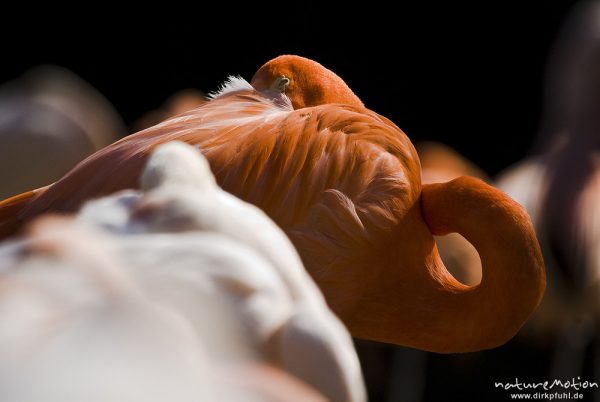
x,y
305,82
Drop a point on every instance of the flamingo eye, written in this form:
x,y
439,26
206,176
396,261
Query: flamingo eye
x,y
280,83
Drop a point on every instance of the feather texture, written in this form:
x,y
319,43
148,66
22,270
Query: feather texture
x,y
344,183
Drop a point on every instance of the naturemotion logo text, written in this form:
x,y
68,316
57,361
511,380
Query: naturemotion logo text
x,y
573,384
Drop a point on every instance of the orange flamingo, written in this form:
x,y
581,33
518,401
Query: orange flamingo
x,y
344,183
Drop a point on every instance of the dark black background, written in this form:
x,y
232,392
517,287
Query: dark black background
x,y
469,75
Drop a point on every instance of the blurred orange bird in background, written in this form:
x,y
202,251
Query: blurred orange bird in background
x,y
344,183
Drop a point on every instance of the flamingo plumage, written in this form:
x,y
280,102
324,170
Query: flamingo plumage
x,y
344,184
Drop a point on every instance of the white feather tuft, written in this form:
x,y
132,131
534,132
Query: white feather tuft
x,y
237,83
232,84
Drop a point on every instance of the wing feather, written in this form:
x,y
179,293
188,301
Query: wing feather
x,y
324,173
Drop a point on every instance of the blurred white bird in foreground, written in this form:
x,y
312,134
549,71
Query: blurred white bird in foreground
x,y
186,294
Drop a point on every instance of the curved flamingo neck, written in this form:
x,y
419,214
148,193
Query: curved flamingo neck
x,y
513,277
454,317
